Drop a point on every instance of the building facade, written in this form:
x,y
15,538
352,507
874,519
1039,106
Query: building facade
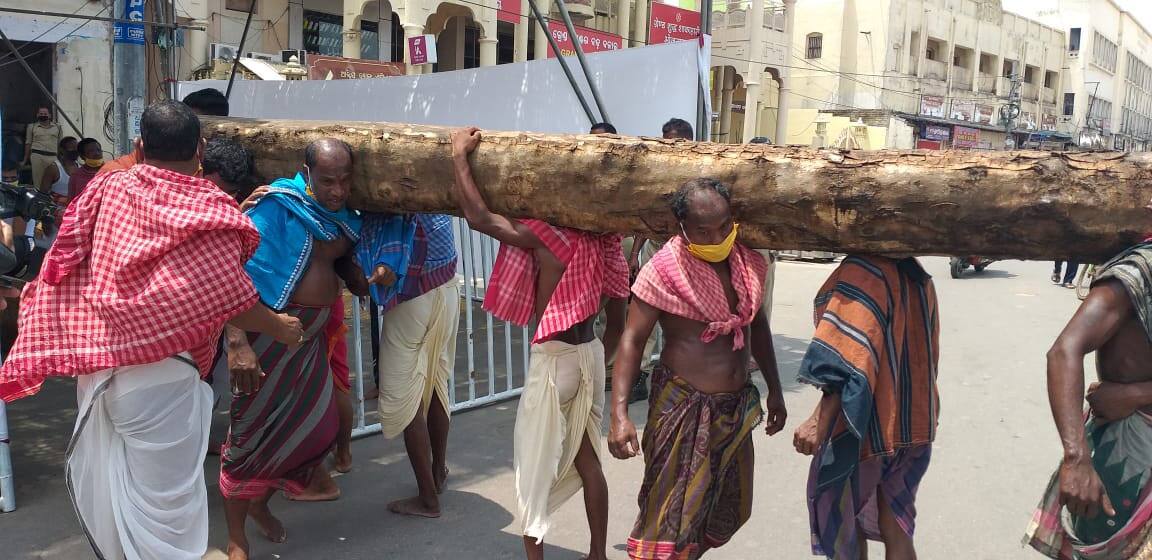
x,y
70,56
925,73
1107,101
750,40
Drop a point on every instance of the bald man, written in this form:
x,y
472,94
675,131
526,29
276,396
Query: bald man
x,y
284,408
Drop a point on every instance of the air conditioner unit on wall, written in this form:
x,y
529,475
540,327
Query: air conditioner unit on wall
x,y
222,51
263,56
300,54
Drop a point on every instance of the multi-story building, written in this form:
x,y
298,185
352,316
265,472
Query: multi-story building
x,y
924,73
1107,99
750,39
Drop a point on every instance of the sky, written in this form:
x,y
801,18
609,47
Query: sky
x,y
1140,9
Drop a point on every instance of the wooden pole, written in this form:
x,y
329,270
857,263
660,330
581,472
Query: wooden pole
x,y
1025,204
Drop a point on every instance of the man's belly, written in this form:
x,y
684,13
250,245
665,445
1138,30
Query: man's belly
x,y
709,368
319,287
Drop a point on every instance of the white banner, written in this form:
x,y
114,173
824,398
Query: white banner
x,y
641,87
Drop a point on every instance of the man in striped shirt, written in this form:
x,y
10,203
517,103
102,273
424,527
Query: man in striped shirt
x,y
412,262
559,277
874,356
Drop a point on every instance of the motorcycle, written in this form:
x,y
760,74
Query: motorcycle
x,y
957,265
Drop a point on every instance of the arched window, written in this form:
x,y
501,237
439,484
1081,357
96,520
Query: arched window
x,y
815,45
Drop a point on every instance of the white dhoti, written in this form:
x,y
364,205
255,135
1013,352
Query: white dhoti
x,y
769,283
135,463
563,400
417,355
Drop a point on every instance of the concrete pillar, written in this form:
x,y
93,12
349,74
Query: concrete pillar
x,y
351,36
487,51
197,41
624,19
296,24
412,30
640,22
755,70
540,47
751,106
520,37
727,81
785,76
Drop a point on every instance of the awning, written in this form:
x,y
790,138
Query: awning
x,y
981,126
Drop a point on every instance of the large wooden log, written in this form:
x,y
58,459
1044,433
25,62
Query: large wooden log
x,y
1026,204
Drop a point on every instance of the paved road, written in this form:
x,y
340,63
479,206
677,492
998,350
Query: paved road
x,y
995,452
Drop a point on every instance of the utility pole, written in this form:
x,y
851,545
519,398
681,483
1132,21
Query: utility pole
x,y
703,111
128,74
1011,111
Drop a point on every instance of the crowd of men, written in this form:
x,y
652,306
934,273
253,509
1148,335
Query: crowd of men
x,y
169,268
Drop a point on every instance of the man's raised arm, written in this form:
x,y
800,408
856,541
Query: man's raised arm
x,y
1097,320
480,218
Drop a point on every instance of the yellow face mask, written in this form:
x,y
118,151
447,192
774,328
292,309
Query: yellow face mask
x,y
712,253
94,163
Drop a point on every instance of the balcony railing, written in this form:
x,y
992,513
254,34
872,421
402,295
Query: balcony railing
x,y
935,70
1029,91
961,78
1048,95
986,83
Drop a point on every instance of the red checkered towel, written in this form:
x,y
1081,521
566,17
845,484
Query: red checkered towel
x,y
676,282
595,267
148,263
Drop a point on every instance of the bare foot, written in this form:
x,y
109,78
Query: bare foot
x,y
343,461
321,489
441,479
270,527
237,551
414,507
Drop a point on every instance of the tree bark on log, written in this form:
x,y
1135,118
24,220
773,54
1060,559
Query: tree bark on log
x,y
1024,204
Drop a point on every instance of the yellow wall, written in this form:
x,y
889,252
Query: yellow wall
x,y
802,127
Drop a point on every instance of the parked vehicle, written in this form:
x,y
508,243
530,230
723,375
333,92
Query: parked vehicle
x,y
958,265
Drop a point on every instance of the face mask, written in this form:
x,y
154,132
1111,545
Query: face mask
x,y
94,162
712,253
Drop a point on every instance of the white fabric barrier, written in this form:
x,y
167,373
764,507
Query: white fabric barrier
x,y
642,88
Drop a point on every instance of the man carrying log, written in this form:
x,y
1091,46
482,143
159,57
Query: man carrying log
x,y
558,276
146,269
412,258
1103,480
284,413
704,288
874,355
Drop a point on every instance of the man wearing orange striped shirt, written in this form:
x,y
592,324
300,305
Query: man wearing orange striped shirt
x,y
874,355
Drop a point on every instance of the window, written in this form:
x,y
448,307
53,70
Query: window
x,y
1074,39
241,5
815,45
1069,104
471,45
1050,80
1103,53
1029,74
323,34
1009,68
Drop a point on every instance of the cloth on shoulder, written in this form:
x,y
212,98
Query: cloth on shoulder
x,y
594,267
1133,269
420,249
289,220
147,263
876,344
676,282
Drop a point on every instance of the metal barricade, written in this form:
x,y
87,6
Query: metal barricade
x,y
492,355
7,483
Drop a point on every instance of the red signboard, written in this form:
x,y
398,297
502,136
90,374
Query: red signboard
x,y
670,24
508,11
964,137
591,40
418,50
319,68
